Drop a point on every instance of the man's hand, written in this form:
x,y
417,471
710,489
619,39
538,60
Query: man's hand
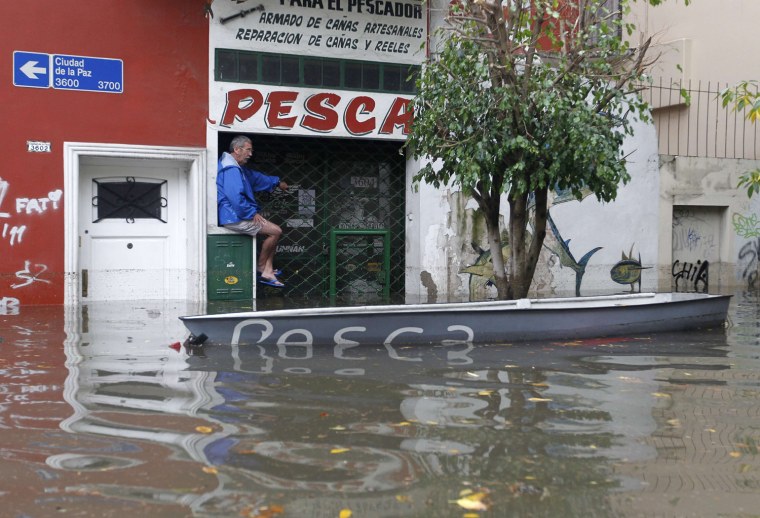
x,y
283,186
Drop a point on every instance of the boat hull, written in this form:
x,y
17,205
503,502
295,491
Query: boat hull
x,y
475,322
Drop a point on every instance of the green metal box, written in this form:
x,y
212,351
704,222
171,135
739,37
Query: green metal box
x,y
230,267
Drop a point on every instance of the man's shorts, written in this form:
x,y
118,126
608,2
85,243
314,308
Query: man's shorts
x,y
247,226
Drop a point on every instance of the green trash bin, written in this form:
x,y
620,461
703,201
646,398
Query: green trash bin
x,y
230,267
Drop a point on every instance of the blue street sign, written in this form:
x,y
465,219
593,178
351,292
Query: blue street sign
x,y
31,69
88,74
64,72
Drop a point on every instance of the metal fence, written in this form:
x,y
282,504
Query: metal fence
x,y
701,126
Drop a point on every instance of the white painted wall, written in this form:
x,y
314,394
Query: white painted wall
x,y
712,182
441,225
711,39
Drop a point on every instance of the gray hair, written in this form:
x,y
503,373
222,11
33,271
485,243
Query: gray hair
x,y
239,141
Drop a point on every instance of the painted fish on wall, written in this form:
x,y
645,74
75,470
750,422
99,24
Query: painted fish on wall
x,y
628,270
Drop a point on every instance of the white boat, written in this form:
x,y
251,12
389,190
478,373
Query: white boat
x,y
465,322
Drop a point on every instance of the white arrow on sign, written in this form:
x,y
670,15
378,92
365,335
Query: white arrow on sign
x,y
30,69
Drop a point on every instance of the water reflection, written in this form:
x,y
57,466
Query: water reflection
x,y
615,426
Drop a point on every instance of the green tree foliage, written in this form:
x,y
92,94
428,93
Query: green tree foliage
x,y
520,97
745,97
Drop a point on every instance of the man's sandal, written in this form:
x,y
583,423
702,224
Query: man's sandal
x,y
271,282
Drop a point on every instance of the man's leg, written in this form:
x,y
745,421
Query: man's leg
x,y
268,248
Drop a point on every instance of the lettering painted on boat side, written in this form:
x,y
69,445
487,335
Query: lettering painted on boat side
x,y
304,337
283,354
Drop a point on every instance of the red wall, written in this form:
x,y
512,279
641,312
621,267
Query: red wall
x,y
164,47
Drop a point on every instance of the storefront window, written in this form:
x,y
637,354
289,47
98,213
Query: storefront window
x,y
248,67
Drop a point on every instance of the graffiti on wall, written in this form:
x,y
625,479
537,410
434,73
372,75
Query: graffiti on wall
x,y
483,266
30,274
696,244
696,233
9,306
628,270
12,233
746,226
561,249
749,262
692,276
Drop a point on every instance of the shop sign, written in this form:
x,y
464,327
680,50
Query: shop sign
x,y
311,111
392,31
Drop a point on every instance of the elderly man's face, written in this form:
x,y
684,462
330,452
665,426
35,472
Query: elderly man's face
x,y
242,153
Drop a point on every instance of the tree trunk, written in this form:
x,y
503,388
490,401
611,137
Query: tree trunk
x,y
541,197
491,207
513,280
518,222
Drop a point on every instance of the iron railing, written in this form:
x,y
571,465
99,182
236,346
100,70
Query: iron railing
x,y
691,121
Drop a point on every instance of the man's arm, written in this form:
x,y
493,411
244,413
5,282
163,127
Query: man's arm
x,y
262,182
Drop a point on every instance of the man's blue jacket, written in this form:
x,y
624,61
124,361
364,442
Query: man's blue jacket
x,y
235,188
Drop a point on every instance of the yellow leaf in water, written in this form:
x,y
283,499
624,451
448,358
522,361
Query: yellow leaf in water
x,y
485,392
210,470
345,513
339,450
539,384
470,515
204,429
538,399
473,502
338,428
735,454
403,423
403,498
660,394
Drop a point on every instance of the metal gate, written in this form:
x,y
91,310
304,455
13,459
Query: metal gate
x,y
342,217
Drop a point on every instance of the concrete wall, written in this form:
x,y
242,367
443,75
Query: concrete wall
x,y
704,216
707,38
449,259
163,46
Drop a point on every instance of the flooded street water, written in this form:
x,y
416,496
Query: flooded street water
x,y
103,413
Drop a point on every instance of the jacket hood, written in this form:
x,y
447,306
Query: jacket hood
x,y
227,160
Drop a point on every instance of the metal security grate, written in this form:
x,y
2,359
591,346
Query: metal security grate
x,y
129,199
345,201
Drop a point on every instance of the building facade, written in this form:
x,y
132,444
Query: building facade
x,y
708,227
104,151
108,187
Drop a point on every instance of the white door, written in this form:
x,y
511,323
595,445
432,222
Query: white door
x,y
132,229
